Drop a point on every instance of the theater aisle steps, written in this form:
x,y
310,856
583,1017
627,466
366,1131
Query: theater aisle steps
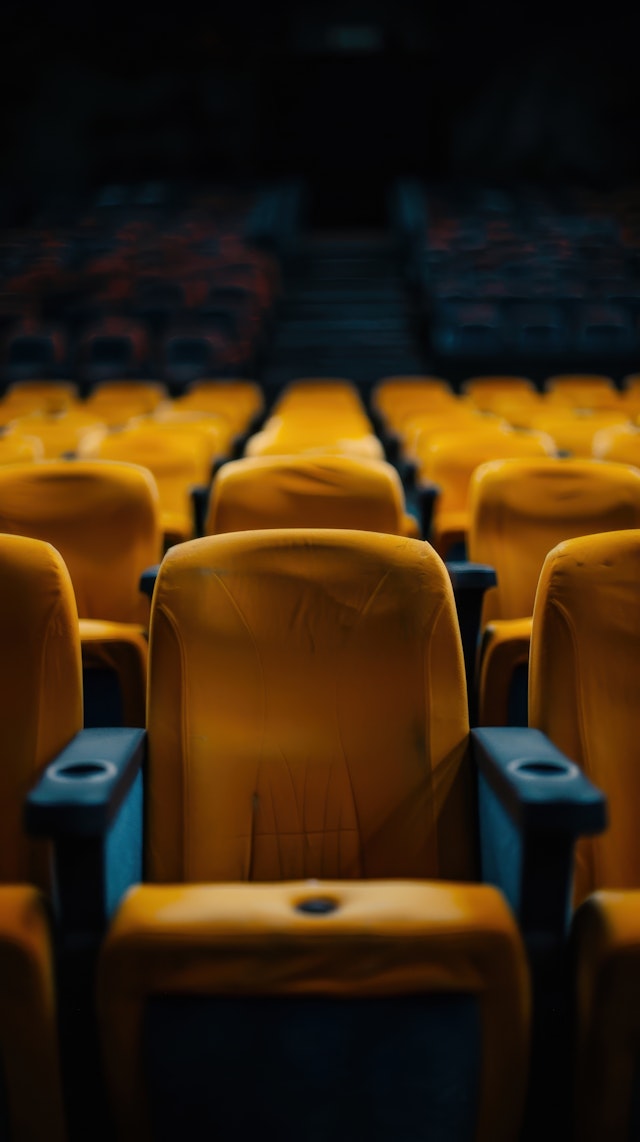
x,y
345,312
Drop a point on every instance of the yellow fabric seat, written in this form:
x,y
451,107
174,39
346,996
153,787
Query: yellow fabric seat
x,y
104,519
573,429
585,693
520,509
28,1019
16,448
40,712
179,457
237,400
60,433
619,442
449,461
317,429
304,491
582,390
287,669
116,402
24,397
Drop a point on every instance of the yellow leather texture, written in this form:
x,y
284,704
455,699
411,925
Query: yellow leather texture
x,y
41,688
307,711
383,939
520,509
16,448
585,688
606,940
304,491
28,1030
102,517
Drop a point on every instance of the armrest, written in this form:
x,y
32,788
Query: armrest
x,y
426,495
80,793
533,805
148,580
470,582
89,801
200,506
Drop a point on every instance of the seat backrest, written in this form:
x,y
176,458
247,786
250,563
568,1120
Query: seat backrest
x,y
450,459
585,687
103,518
306,491
520,509
178,456
307,711
41,690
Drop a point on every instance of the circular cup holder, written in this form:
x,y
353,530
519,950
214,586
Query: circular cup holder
x,y
317,906
95,770
551,768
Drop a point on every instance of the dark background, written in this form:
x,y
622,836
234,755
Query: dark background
x,y
348,95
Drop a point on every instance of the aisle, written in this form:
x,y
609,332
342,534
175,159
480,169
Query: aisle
x,y
345,313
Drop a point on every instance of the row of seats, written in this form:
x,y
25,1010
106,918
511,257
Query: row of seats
x,y
391,992
507,511
522,276
178,289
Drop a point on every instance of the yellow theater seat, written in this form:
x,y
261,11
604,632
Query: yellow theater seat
x,y
237,400
179,455
449,460
573,429
23,397
30,1065
116,402
40,712
582,390
16,448
585,693
619,442
307,724
520,509
60,433
40,691
395,398
317,429
308,491
104,519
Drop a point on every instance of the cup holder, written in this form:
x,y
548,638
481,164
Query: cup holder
x,y
317,906
553,768
95,770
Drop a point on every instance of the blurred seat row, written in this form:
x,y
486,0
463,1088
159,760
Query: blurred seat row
x,y
287,668
317,816
179,287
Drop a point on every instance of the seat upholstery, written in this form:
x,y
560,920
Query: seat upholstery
x,y
307,745
178,456
30,1064
449,460
40,711
520,509
41,690
585,693
291,621
305,491
104,520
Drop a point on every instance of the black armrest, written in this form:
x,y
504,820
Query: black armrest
x,y
200,507
470,582
533,804
148,580
426,495
89,802
80,793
